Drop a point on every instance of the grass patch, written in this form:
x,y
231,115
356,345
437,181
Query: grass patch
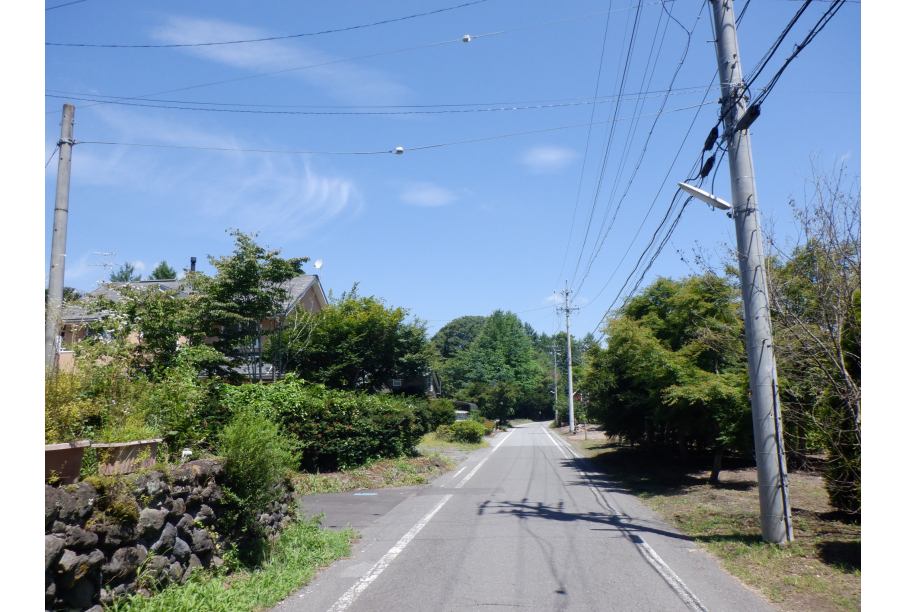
x,y
820,570
291,562
402,472
431,443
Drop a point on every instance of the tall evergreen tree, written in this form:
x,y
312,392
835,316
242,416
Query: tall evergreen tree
x,y
162,272
125,274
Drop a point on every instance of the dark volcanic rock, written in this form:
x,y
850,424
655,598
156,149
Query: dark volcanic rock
x,y
124,563
205,515
185,526
79,539
53,548
79,596
202,542
54,499
150,523
181,550
164,544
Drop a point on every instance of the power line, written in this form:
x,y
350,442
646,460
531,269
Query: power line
x,y
270,38
822,22
650,93
390,151
609,140
371,55
50,8
585,154
599,242
52,153
165,105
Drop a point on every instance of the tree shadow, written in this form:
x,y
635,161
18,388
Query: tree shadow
x,y
841,517
525,509
846,556
639,471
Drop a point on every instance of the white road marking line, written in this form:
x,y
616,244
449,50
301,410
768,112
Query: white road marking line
x,y
560,448
350,596
670,577
481,463
461,470
355,590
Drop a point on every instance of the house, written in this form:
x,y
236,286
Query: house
x,y
428,385
304,291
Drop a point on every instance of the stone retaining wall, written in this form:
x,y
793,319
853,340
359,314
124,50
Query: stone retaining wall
x,y
160,529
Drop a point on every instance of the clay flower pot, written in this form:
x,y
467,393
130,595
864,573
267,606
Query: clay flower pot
x,y
62,462
126,457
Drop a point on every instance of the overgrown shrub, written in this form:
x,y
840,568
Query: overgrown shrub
x,y
488,426
467,431
443,412
335,429
443,433
68,413
258,454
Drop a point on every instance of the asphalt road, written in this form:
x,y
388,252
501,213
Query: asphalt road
x,y
518,526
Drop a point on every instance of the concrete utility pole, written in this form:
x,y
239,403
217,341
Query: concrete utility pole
x,y
569,359
773,486
58,241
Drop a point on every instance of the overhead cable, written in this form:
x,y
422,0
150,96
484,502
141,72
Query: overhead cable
x,y
585,153
50,8
269,38
163,104
398,150
360,57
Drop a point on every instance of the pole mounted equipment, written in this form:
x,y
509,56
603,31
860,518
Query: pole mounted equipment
x,y
708,198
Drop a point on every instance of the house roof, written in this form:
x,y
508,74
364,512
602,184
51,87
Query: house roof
x,y
80,313
298,287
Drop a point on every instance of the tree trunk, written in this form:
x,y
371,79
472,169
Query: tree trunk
x,y
715,467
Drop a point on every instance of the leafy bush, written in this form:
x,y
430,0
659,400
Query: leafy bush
x,y
467,431
443,412
443,433
67,412
488,426
335,429
258,455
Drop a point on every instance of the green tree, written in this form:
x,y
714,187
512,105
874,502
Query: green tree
x,y
457,335
673,373
125,274
501,352
162,272
248,289
357,342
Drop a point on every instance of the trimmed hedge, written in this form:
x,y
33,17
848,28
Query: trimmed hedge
x,y
336,429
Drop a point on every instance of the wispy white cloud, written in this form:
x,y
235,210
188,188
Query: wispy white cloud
x,y
427,194
279,193
554,298
545,159
345,81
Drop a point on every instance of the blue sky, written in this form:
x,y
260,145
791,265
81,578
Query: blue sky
x,y
460,229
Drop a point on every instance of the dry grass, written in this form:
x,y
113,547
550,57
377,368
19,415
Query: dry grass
x,y
402,472
819,572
